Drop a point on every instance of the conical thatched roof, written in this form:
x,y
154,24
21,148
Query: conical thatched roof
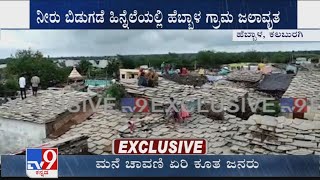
x,y
75,74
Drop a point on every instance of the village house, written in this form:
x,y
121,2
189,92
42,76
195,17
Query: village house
x,y
305,60
129,73
25,123
53,124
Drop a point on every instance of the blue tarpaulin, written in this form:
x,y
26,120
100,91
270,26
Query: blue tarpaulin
x,y
214,78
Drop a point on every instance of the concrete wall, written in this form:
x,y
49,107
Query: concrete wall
x,y
16,135
75,145
64,121
129,76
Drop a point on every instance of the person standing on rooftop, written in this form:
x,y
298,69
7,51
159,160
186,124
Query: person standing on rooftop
x,y
22,84
201,72
35,80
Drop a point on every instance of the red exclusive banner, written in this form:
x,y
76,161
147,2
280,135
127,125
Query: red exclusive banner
x,y
159,146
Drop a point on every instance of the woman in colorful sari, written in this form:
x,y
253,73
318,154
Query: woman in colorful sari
x,y
184,112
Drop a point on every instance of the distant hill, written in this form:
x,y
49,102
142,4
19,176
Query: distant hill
x,y
183,55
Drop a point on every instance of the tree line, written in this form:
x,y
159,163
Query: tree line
x,y
207,58
212,59
30,63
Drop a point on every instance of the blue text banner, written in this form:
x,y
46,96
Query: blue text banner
x,y
173,166
163,14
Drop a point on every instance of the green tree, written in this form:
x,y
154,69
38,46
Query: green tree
x,y
126,62
84,67
204,58
116,91
30,63
98,73
112,68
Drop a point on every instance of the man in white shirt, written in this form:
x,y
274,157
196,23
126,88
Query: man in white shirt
x,y
22,84
35,80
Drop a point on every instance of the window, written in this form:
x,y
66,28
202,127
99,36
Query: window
x,y
123,76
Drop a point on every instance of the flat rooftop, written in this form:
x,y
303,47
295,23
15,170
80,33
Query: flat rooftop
x,y
45,107
168,89
104,126
306,84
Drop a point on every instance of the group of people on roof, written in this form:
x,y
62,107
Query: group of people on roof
x,y
178,115
35,81
148,79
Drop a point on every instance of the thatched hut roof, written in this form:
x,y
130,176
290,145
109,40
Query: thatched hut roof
x,y
75,75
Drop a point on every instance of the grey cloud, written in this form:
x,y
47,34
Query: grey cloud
x,y
112,42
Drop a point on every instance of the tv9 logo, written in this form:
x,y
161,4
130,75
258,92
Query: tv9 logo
x,y
42,162
134,105
294,105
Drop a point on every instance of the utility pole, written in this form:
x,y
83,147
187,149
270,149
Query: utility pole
x,y
195,65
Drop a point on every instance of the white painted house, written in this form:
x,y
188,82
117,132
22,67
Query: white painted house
x,y
129,73
27,123
303,60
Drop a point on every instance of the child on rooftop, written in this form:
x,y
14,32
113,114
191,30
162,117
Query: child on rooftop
x,y
173,112
132,125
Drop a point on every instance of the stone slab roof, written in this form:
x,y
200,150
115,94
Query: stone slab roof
x,y
50,144
306,84
45,107
280,136
103,127
230,136
245,76
167,89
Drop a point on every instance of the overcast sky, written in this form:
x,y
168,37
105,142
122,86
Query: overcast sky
x,y
113,42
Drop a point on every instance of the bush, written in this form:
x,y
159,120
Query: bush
x,y
98,73
12,84
9,87
116,91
